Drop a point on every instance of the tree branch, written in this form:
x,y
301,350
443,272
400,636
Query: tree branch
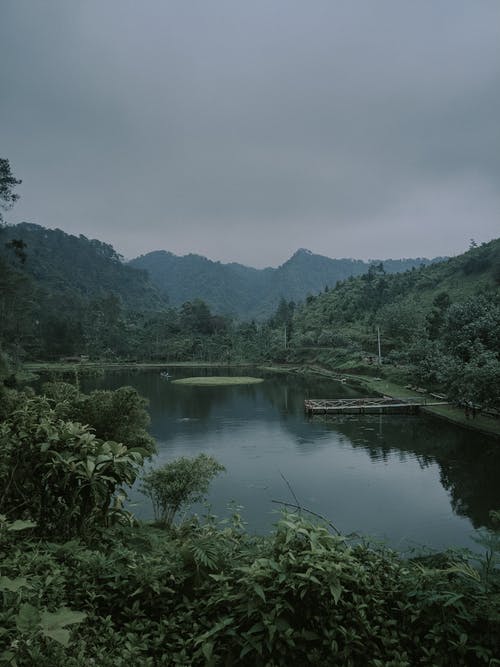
x,y
319,516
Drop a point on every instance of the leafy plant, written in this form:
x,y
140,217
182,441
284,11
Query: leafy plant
x,y
120,415
179,483
58,473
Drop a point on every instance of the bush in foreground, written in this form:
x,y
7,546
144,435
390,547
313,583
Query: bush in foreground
x,y
208,595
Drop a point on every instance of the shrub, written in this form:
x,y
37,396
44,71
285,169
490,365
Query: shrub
x,y
120,415
58,473
215,595
180,482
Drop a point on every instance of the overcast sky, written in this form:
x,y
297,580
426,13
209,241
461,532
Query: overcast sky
x,y
245,129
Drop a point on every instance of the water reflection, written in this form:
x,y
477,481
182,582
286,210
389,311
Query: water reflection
x,y
469,463
401,477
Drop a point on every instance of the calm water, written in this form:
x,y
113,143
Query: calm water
x,y
410,480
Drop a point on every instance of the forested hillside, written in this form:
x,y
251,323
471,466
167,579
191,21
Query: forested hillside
x,y
79,267
64,295
227,288
248,293
439,324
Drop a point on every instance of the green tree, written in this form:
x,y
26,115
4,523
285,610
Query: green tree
x,y
120,415
15,288
402,320
7,184
179,483
435,319
57,472
103,326
476,320
195,317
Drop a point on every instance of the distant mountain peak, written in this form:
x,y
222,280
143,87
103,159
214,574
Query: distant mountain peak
x,y
247,292
301,253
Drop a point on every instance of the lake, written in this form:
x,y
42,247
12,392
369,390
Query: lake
x,y
411,480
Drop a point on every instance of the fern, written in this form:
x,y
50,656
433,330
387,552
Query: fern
x,y
205,552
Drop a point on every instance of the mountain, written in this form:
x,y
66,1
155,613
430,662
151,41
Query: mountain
x,y
77,267
226,288
247,292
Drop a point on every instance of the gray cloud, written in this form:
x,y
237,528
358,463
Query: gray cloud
x,y
245,130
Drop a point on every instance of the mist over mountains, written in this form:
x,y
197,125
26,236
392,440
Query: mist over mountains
x,y
246,292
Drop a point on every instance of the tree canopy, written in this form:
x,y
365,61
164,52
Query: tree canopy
x,y
7,184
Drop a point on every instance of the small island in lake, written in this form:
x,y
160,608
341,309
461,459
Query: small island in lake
x,y
218,380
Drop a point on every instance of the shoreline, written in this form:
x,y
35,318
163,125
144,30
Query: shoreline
x,y
70,367
488,426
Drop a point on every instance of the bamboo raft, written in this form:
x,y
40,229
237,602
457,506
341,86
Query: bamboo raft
x,y
372,405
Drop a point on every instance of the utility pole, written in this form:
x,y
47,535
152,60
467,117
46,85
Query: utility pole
x,y
379,351
285,336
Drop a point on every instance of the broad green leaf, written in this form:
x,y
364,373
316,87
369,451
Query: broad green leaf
x,y
258,589
256,627
246,649
454,598
207,650
60,635
21,525
28,618
61,618
13,585
336,591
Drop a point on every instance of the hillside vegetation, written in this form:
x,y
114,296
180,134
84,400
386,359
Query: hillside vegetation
x,y
77,267
248,293
65,295
439,325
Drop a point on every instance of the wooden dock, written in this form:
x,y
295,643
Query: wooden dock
x,y
373,405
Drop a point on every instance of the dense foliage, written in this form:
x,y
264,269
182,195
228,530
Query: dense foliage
x,y
208,595
64,265
245,292
81,583
66,475
8,183
66,296
440,325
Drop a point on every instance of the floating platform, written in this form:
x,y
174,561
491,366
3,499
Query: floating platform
x,y
373,405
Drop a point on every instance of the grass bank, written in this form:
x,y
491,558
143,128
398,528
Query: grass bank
x,y
451,413
385,387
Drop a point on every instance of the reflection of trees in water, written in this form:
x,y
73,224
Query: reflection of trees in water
x,y
469,463
287,395
472,481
